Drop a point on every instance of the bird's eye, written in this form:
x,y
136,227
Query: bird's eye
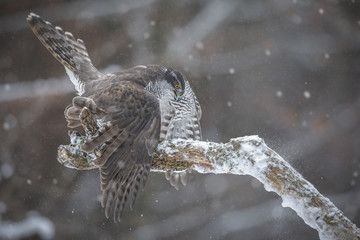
x,y
177,86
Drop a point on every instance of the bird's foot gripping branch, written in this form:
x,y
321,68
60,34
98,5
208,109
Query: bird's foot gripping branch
x,y
71,155
240,156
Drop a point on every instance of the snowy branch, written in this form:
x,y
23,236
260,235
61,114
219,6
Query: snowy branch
x,y
240,156
251,156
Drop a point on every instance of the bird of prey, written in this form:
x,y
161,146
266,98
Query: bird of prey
x,y
136,108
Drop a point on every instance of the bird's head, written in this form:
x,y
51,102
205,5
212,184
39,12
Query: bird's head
x,y
175,82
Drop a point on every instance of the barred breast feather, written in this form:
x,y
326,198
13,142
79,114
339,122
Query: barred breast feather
x,y
180,119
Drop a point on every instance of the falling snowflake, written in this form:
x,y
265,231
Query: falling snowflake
x,y
146,35
200,45
307,94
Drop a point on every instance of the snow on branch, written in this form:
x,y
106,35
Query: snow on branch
x,y
240,156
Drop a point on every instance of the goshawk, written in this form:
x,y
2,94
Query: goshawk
x,y
136,108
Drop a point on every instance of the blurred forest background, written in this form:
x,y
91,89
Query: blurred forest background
x,y
286,70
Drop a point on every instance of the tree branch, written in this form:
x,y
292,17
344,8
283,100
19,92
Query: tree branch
x,y
240,156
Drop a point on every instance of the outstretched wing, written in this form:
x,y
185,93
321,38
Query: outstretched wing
x,y
67,50
128,142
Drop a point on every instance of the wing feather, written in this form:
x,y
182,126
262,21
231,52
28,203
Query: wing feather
x,y
126,160
127,144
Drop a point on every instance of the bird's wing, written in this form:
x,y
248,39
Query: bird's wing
x,y
71,53
133,135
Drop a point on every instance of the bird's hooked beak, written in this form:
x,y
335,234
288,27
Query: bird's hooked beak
x,y
178,96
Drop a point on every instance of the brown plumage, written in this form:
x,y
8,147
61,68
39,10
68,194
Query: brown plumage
x,y
135,109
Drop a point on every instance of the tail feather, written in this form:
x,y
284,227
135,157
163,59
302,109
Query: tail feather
x,y
71,53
